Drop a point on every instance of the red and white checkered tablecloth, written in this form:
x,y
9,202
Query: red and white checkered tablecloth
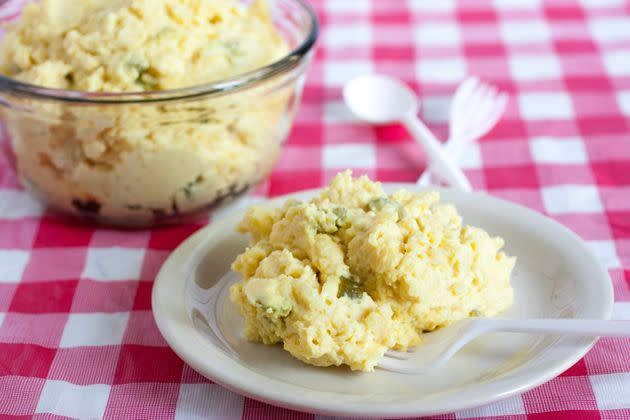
x,y
77,338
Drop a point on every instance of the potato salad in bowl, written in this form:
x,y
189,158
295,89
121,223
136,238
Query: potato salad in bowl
x,y
342,278
140,112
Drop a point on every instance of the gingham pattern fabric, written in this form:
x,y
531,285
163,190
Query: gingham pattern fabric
x,y
77,337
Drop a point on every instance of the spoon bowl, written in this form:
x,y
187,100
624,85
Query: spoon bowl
x,y
379,99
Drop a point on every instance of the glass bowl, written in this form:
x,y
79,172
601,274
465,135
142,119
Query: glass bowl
x,y
150,158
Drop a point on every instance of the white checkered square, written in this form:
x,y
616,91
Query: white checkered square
x,y
341,156
337,112
347,35
436,108
451,70
558,151
606,253
19,204
471,157
196,401
525,31
113,263
621,310
94,329
516,4
612,391
437,34
610,29
509,407
545,106
571,199
74,401
617,62
535,67
12,264
430,5
623,98
354,6
338,72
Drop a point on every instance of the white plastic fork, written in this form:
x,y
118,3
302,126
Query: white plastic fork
x,y
475,109
439,346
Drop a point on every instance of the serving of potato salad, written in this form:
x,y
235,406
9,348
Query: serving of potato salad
x,y
342,278
144,160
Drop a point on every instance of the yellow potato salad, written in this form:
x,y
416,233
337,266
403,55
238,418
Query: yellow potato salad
x,y
344,277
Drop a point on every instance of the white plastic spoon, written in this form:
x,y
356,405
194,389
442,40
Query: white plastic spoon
x,y
379,99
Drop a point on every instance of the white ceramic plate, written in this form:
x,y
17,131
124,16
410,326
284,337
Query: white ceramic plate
x,y
556,275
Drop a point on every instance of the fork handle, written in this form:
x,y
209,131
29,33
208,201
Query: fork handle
x,y
453,148
583,327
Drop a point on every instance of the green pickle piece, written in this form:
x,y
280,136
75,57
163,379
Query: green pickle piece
x,y
349,286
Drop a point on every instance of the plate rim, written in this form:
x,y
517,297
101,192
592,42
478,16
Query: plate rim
x,y
172,332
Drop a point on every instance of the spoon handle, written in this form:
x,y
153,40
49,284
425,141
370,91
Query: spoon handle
x,y
583,327
444,165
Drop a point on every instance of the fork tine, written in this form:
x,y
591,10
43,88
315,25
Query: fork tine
x,y
465,89
492,117
468,109
462,94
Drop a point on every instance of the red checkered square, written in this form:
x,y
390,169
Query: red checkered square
x,y
299,180
391,134
19,395
51,296
55,264
85,365
142,330
29,360
306,133
620,224
104,296
151,264
612,173
147,364
142,401
169,237
142,299
55,231
598,125
39,329
578,369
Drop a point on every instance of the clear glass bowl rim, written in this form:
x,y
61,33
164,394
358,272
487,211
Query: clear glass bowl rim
x,y
218,88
